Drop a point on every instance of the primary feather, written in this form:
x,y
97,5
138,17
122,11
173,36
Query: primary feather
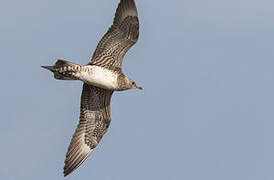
x,y
94,121
121,36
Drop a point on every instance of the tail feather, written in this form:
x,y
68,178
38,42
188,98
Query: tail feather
x,y
62,63
64,70
51,68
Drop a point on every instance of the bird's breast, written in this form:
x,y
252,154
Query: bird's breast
x,y
100,77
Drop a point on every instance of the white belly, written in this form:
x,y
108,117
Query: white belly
x,y
100,77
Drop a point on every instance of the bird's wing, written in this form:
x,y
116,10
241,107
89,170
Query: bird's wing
x,y
121,36
94,121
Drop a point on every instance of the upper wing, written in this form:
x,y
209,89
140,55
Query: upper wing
x,y
121,36
94,121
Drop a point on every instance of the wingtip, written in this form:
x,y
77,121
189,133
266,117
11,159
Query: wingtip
x,y
65,174
72,166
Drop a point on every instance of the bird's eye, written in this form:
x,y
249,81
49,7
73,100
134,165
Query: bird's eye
x,y
133,83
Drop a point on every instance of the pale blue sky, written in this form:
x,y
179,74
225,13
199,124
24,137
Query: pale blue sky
x,y
206,111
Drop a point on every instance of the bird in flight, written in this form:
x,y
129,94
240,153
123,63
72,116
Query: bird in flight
x,y
101,77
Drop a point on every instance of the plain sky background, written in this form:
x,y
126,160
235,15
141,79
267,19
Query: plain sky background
x,y
206,111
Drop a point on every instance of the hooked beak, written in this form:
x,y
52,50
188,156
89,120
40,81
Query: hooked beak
x,y
138,87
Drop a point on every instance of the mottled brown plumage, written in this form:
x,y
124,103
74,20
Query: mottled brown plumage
x,y
101,77
121,36
94,121
95,102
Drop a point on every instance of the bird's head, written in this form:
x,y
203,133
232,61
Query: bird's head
x,y
131,84
134,85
